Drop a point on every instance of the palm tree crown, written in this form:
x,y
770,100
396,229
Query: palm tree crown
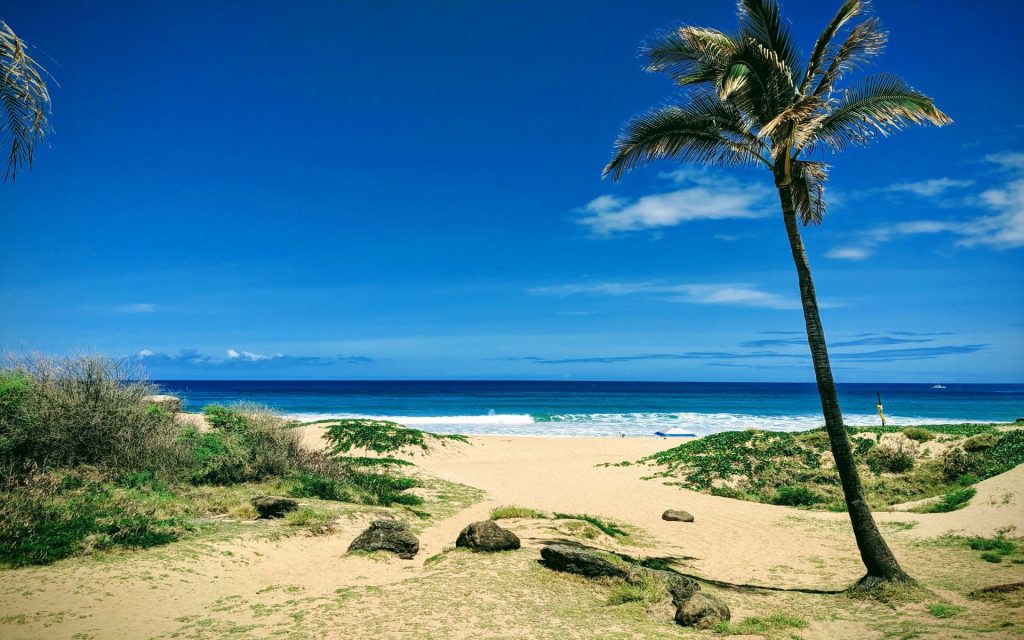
x,y
751,101
24,102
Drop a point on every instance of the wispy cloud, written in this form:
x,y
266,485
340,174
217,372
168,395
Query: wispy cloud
x,y
713,357
857,341
928,188
721,293
234,359
700,199
136,307
1002,229
917,353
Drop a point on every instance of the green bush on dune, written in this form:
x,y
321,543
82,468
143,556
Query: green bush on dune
x,y
795,468
89,465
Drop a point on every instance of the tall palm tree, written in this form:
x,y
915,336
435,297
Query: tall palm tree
x,y
24,102
749,100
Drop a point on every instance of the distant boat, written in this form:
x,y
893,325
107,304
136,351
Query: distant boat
x,y
938,386
675,432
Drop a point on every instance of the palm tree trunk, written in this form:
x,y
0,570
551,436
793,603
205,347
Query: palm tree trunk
x,y
875,553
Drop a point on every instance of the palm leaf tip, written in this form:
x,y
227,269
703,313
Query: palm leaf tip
x,y
24,102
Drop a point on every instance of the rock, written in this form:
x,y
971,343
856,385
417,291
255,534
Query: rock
x,y
273,506
681,587
702,610
393,536
170,404
487,536
585,562
675,515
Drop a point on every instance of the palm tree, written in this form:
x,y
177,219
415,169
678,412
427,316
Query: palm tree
x,y
748,100
24,102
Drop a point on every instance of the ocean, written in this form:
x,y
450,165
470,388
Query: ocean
x,y
605,408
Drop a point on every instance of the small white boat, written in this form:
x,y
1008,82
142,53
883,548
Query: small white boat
x,y
938,386
675,432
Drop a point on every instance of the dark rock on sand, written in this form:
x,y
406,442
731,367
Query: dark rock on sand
x,y
487,536
585,562
393,536
677,515
702,610
273,506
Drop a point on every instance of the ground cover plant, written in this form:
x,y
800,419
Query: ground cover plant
x,y
87,464
795,469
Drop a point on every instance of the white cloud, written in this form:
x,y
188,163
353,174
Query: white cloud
x,y
722,293
250,356
849,253
1004,229
703,199
1007,159
136,307
928,188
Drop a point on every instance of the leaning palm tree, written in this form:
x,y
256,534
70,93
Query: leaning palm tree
x,y
748,100
24,102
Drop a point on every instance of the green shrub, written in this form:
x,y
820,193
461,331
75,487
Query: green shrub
x,y
217,457
992,556
997,544
956,499
508,511
84,410
246,443
607,527
382,436
981,441
45,517
796,497
918,434
314,486
890,458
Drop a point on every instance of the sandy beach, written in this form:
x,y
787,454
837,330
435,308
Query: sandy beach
x,y
760,558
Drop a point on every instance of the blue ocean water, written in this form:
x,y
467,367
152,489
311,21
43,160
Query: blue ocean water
x,y
606,408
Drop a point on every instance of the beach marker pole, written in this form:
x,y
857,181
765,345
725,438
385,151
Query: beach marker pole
x,y
881,411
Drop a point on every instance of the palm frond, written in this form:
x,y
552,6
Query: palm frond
x,y
706,131
850,10
865,41
808,190
880,105
762,21
691,55
24,102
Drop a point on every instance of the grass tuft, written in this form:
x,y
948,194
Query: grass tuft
x,y
511,511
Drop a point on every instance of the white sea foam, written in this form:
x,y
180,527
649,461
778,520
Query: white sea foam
x,y
613,424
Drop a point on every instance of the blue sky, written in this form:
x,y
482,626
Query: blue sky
x,y
412,190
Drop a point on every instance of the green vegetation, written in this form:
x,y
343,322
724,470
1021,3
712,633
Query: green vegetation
x,y
510,511
944,610
993,549
607,527
647,590
86,464
796,469
761,626
918,434
956,499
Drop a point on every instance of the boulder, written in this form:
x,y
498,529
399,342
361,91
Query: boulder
x,y
273,506
170,404
393,536
487,536
677,515
702,610
682,588
585,562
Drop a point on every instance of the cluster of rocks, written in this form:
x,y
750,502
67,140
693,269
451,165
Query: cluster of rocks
x,y
694,607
